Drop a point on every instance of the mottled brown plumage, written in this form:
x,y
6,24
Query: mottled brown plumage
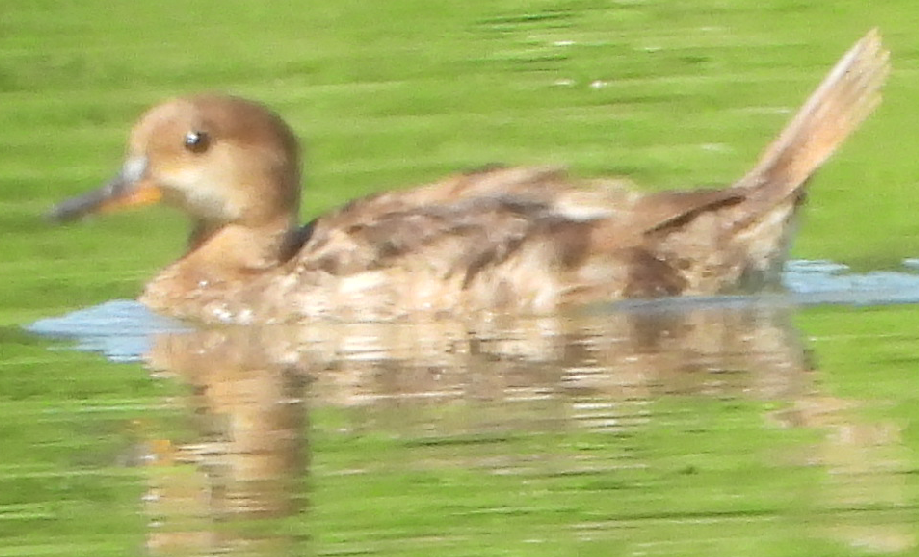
x,y
497,240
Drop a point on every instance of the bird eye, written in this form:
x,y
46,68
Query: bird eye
x,y
197,142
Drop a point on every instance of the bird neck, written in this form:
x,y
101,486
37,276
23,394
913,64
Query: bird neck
x,y
231,249
220,262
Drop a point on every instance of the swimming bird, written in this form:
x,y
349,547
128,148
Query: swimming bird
x,y
495,240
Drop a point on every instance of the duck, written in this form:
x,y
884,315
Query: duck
x,y
491,241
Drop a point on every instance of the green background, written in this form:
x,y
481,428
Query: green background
x,y
669,93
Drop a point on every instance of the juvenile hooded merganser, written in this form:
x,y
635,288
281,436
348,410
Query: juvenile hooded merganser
x,y
518,240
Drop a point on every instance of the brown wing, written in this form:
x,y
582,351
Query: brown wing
x,y
463,225
658,212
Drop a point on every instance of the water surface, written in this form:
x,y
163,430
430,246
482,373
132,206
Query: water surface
x,y
675,427
731,427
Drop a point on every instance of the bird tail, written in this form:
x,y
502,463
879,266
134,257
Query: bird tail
x,y
848,94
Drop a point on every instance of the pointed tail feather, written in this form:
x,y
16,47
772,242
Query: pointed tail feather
x,y
837,107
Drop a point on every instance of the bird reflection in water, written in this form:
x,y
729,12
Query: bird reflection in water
x,y
252,390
